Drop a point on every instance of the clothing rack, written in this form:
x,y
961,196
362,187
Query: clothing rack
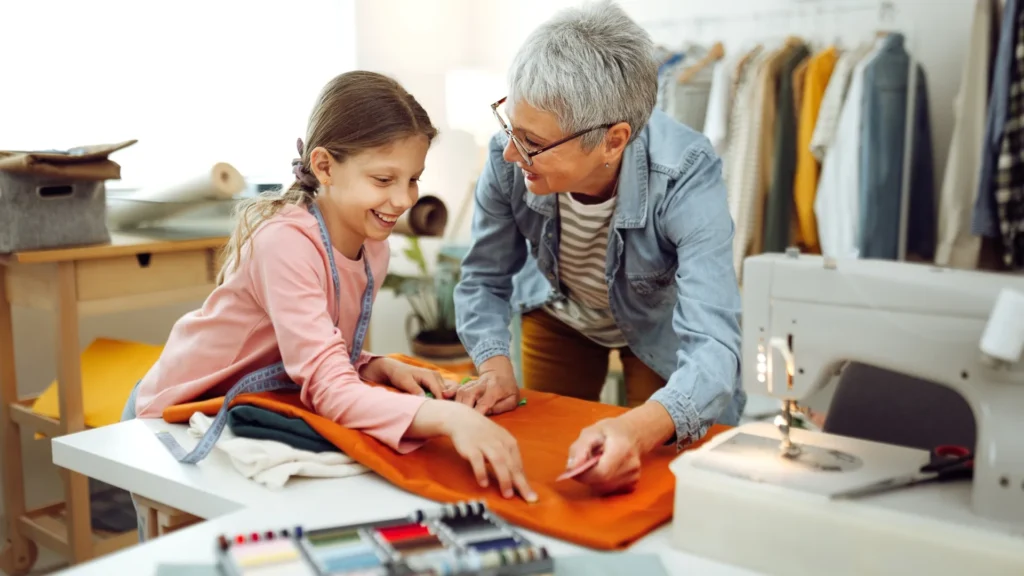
x,y
885,8
887,13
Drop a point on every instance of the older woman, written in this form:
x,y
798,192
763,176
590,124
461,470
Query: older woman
x,y
606,225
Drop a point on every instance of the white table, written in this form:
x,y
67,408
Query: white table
x,y
129,456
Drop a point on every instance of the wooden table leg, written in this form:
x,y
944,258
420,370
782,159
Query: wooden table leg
x,y
18,554
72,415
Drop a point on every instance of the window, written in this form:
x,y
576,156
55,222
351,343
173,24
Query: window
x,y
194,81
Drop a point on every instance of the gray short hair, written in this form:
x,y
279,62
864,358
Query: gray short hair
x,y
589,66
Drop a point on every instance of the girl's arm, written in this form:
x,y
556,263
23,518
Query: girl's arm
x,y
288,276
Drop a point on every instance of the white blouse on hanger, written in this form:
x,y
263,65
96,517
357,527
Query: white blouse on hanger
x,y
837,205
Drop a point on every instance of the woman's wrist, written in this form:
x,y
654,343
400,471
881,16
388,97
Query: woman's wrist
x,y
650,426
499,365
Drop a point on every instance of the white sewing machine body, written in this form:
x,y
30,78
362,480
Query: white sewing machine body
x,y
803,317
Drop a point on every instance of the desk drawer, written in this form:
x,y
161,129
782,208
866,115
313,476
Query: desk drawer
x,y
107,278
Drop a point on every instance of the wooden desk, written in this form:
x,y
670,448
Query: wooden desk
x,y
132,272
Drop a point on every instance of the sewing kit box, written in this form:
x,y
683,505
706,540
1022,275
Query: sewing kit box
x,y
40,212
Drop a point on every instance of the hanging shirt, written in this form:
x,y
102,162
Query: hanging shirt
x,y
664,74
882,152
957,247
744,160
779,203
799,79
816,81
687,102
1009,176
716,120
837,203
827,122
582,253
984,221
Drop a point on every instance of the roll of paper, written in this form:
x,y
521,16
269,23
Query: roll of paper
x,y
427,217
219,183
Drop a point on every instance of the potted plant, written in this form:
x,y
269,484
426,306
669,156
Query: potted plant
x,y
430,327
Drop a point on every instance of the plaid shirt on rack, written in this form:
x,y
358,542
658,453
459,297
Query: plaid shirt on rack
x,y
1009,180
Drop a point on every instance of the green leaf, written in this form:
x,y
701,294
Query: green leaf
x,y
415,254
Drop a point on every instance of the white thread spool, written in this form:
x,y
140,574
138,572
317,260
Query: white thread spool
x,y
1003,338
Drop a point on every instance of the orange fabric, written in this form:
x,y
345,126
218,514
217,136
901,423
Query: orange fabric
x,y
544,428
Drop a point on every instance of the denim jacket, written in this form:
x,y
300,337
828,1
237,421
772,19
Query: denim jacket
x,y
671,283
885,109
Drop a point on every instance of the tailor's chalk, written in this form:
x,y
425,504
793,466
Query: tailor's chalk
x,y
580,468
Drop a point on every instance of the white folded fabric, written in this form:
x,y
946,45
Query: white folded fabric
x,y
272,463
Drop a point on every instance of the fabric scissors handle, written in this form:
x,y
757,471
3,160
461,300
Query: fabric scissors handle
x,y
947,463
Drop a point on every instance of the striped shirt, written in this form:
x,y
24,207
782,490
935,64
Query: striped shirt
x,y
583,248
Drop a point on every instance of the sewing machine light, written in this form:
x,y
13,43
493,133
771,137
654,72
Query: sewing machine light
x,y
778,345
762,364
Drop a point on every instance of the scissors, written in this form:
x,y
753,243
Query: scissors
x,y
947,463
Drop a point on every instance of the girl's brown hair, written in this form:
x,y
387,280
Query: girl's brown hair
x,y
356,111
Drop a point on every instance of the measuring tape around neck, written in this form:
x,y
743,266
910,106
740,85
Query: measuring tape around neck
x,y
274,377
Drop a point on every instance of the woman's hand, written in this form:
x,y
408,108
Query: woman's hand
x,y
406,378
621,441
618,470
495,391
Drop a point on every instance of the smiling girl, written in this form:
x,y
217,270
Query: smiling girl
x,y
300,274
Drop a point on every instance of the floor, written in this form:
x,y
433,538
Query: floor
x,y
42,486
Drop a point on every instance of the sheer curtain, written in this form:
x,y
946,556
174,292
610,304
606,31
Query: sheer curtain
x,y
194,81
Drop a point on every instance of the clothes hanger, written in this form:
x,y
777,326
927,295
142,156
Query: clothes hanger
x,y
716,53
885,13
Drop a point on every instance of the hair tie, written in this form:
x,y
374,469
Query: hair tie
x,y
306,178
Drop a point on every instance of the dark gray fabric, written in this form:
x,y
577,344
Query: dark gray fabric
x,y
883,406
262,424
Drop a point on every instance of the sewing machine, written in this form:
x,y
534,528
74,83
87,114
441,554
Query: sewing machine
x,y
763,494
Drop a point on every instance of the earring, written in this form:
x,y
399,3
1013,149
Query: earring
x,y
607,165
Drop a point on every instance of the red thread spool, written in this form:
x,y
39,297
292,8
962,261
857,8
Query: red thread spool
x,y
405,532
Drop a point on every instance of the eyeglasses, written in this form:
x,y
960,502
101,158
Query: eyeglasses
x,y
525,152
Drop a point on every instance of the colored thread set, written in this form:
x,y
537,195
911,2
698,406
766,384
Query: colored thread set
x,y
463,538
264,554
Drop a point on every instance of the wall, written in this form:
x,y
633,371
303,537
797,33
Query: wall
x,y
420,42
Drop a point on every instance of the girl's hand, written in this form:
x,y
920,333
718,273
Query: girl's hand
x,y
482,442
478,440
410,379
